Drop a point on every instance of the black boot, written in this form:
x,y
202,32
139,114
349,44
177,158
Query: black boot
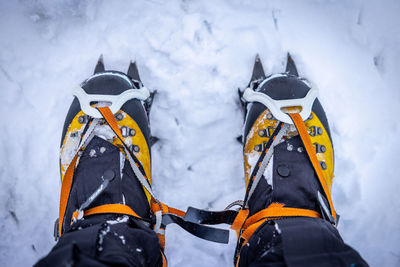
x,y
289,162
105,213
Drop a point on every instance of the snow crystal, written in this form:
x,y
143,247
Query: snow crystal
x,y
252,159
289,147
268,172
122,219
104,131
92,153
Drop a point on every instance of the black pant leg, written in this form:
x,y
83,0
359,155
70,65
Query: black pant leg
x,y
298,242
106,241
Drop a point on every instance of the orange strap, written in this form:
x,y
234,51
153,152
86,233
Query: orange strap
x,y
161,239
301,128
112,208
155,206
248,225
278,210
164,260
274,211
109,117
65,189
239,220
176,212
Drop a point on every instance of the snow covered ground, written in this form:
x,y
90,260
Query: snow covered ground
x,y
196,54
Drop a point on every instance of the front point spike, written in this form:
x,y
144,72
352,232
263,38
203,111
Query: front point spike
x,y
291,66
153,140
258,70
100,65
133,71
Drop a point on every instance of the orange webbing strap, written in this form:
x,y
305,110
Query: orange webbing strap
x,y
239,220
248,225
109,208
157,206
109,117
274,211
164,260
65,189
301,128
180,213
161,238
278,210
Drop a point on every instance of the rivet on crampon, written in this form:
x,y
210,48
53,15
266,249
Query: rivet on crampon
x,y
262,132
319,148
323,165
126,131
134,148
258,148
83,119
314,131
119,116
266,132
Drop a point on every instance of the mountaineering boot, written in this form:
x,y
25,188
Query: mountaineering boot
x,y
288,170
101,152
108,211
287,216
105,163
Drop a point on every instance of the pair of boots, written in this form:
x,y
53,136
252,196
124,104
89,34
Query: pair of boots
x,y
110,216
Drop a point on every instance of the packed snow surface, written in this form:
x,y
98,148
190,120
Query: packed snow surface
x,y
196,54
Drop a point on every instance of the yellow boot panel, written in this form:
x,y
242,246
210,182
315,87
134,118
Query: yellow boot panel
x,y
322,139
266,120
71,143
